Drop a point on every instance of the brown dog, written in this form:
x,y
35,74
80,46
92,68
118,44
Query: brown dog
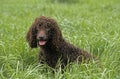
x,y
46,34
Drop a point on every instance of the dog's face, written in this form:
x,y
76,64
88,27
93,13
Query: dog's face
x,y
43,31
44,34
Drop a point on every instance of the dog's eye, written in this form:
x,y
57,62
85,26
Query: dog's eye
x,y
48,24
40,25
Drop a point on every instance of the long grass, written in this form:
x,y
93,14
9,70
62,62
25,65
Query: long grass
x,y
93,25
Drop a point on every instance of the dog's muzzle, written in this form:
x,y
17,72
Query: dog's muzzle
x,y
42,40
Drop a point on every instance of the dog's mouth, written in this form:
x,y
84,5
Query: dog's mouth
x,y
42,40
42,43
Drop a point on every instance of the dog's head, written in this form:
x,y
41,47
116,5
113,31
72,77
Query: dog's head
x,y
42,31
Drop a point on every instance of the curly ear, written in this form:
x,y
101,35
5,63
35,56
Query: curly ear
x,y
31,37
57,37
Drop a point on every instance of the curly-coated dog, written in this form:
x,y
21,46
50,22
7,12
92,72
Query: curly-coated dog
x,y
46,34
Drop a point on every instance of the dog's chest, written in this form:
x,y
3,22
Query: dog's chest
x,y
52,57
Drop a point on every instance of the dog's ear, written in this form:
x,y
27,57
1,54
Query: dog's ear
x,y
57,35
31,36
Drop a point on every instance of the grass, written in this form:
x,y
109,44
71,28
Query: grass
x,y
93,25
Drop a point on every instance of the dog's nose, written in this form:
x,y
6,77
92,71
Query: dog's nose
x,y
41,37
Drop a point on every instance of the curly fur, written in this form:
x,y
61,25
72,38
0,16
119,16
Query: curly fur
x,y
56,47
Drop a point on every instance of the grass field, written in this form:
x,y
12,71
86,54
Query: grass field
x,y
93,25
